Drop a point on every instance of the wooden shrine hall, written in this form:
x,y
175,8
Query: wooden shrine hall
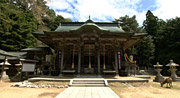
x,y
94,48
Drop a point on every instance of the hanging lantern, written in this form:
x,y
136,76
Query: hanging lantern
x,y
89,57
73,57
104,66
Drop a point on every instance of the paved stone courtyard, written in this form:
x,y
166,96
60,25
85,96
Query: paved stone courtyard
x,y
88,92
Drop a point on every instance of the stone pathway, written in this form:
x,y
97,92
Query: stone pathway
x,y
88,92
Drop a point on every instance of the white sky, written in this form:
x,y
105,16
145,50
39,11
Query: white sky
x,y
108,10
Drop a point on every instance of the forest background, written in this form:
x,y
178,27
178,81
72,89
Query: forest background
x,y
19,18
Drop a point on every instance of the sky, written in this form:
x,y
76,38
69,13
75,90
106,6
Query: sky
x,y
109,10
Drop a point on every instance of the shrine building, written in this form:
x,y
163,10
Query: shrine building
x,y
94,48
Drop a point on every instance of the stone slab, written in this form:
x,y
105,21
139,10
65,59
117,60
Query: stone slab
x,y
88,92
121,79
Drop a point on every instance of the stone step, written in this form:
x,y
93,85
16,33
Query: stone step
x,y
87,85
88,82
178,79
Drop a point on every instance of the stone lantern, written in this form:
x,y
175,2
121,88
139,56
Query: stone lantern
x,y
5,65
158,77
18,68
173,69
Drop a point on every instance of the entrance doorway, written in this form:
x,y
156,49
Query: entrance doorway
x,y
89,62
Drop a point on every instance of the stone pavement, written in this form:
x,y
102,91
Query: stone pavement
x,y
88,92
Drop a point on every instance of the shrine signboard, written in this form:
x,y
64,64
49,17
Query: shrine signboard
x,y
28,65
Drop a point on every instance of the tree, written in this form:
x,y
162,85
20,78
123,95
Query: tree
x,y
160,43
150,24
145,51
128,24
55,22
16,27
170,42
19,18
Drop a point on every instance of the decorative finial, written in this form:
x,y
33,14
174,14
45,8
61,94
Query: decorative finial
x,y
89,20
171,61
157,63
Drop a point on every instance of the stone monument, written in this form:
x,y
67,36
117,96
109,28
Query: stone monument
x,y
5,65
173,69
158,77
17,77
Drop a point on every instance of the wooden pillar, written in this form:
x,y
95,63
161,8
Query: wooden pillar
x,y
62,62
98,56
79,60
116,61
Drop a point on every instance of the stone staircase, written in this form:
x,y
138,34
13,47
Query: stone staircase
x,y
178,79
88,82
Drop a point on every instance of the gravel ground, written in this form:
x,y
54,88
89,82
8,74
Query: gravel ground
x,y
6,91
145,90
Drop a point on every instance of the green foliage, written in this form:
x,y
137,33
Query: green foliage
x,y
129,24
150,24
166,36
19,18
170,42
16,27
145,51
55,22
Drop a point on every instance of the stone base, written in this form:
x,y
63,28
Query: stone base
x,y
158,79
78,75
99,76
5,77
116,76
175,78
178,79
88,70
17,77
60,75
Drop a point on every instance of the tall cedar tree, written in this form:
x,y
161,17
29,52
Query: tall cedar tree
x,y
150,24
145,51
16,27
18,18
170,42
151,27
